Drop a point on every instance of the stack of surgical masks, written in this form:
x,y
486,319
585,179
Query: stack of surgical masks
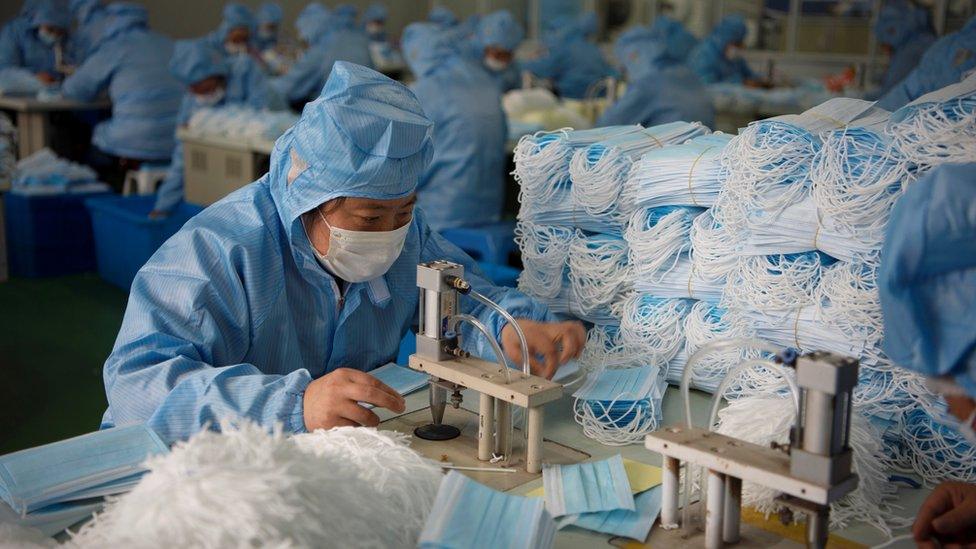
x,y
690,174
598,269
611,496
44,172
19,81
728,97
939,127
469,514
545,256
654,326
769,162
605,349
537,109
617,407
705,324
598,172
240,122
857,177
53,486
401,379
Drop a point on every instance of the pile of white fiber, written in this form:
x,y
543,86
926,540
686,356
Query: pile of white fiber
x,y
347,487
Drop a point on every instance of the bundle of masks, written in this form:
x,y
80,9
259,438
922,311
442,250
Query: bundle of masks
x,y
690,174
241,122
619,406
939,127
44,172
54,486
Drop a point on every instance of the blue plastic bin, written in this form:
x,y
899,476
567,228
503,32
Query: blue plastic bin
x,y
125,237
488,243
49,235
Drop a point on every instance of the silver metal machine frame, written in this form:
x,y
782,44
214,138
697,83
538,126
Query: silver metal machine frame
x,y
812,473
439,355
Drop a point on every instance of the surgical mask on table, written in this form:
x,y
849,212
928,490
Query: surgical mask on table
x,y
210,99
469,514
48,37
496,65
77,467
358,256
587,487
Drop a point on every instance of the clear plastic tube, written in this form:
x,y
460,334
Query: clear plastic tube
x,y
526,368
478,325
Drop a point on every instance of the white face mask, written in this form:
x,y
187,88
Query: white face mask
x,y
48,37
210,99
358,256
235,48
495,64
733,53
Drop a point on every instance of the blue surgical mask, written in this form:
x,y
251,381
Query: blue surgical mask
x,y
471,515
629,524
589,487
77,467
401,379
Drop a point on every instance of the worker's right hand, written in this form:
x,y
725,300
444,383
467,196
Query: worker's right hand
x,y
46,77
949,516
333,400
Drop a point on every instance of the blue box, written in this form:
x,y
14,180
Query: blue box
x,y
49,234
125,237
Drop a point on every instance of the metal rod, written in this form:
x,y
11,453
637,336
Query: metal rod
x,y
438,401
671,470
533,453
732,509
714,513
486,427
817,528
432,314
503,415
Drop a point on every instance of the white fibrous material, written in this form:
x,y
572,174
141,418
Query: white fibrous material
x,y
13,536
706,324
654,326
598,269
763,419
930,134
851,301
545,255
713,247
605,349
239,121
774,282
347,487
857,177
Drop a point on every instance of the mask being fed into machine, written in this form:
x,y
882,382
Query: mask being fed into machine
x,y
358,256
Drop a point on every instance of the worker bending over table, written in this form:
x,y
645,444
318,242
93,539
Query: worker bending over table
x,y
273,303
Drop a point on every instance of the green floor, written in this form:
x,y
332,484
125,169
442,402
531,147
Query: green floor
x,y
55,334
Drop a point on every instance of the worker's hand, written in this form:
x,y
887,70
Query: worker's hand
x,y
949,516
551,344
46,77
333,400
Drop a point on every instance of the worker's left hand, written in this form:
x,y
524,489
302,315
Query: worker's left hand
x,y
46,77
949,516
551,344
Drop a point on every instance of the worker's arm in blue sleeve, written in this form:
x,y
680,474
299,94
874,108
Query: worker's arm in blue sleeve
x,y
546,66
92,77
903,92
627,110
703,63
10,54
517,304
305,77
743,69
178,363
170,191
